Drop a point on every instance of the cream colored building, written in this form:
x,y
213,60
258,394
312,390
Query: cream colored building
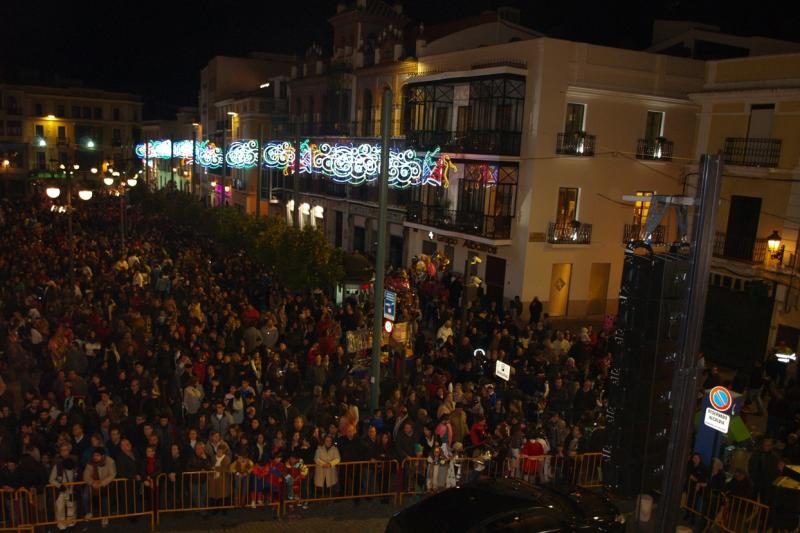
x,y
750,112
42,127
583,126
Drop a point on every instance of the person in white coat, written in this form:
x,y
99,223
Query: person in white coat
x,y
326,458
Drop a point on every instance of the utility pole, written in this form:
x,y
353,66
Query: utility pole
x,y
380,264
194,160
70,234
296,188
684,385
147,162
258,171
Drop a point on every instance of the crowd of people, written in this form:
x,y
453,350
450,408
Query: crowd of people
x,y
174,354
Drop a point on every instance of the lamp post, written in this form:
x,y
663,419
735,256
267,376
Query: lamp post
x,y
122,191
84,194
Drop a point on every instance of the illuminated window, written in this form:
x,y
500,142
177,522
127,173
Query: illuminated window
x,y
567,209
641,208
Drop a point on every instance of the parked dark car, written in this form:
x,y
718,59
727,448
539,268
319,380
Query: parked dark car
x,y
509,505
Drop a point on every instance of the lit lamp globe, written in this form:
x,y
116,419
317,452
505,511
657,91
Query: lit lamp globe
x,y
53,192
108,181
93,170
227,188
774,241
132,182
85,194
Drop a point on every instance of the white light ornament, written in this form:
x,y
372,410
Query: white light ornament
x,y
242,154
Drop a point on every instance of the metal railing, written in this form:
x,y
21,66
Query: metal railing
x,y
725,512
569,233
635,232
654,149
575,143
752,152
477,224
471,142
740,252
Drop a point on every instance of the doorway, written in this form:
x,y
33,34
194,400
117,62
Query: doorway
x,y
395,251
495,278
359,239
598,289
742,227
559,289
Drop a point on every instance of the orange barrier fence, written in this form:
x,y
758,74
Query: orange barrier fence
x,y
733,514
584,470
345,481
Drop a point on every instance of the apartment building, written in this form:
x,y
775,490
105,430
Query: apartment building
x,y
240,98
42,127
750,112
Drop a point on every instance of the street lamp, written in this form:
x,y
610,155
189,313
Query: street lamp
x,y
776,249
132,182
53,192
108,180
85,194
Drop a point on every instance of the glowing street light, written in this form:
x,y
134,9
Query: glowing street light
x,y
53,192
108,181
90,144
132,182
93,170
85,194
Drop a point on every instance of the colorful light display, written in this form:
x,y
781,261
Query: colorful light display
x,y
343,163
242,154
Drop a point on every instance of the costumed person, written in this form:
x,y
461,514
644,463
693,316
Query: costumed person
x,y
296,472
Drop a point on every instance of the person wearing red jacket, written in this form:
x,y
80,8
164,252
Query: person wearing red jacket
x,y
477,432
532,453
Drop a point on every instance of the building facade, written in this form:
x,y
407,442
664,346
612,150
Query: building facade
x,y
750,112
43,127
177,173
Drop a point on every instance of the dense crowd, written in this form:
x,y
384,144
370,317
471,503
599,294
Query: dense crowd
x,y
175,354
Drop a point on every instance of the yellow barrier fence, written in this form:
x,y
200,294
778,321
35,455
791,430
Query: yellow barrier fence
x,y
421,476
345,481
733,514
75,502
15,511
210,491
584,470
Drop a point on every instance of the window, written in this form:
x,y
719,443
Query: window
x,y
14,128
41,160
61,110
39,110
62,158
39,129
98,113
576,118
116,136
655,125
760,125
366,113
462,120
11,103
2,128
86,112
76,111
115,113
567,209
641,208
62,133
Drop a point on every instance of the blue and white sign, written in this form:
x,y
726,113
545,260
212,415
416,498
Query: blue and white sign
x,y
720,398
389,305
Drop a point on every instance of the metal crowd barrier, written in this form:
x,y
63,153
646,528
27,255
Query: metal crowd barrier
x,y
210,491
354,480
583,470
732,514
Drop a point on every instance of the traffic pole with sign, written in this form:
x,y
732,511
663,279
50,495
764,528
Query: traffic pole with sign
x,y
716,413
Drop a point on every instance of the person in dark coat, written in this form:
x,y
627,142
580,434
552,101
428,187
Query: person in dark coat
x,y
763,468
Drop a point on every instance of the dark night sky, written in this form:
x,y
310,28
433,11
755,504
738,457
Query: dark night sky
x,y
157,49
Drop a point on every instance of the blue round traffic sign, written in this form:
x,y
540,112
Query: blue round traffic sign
x,y
720,398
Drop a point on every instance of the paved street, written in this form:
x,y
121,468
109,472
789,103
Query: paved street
x,y
369,517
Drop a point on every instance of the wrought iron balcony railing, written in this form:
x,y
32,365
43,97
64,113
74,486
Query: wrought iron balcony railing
x,y
471,142
752,152
635,232
477,224
569,233
654,149
575,143
739,250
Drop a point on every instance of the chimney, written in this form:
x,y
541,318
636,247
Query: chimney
x,y
318,66
294,71
398,51
420,47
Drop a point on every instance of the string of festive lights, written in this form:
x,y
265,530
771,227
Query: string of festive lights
x,y
242,154
343,163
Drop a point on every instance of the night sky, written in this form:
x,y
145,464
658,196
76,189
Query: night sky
x,y
157,49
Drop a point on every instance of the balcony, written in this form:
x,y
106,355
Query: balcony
x,y
654,149
569,233
62,141
635,232
577,143
752,152
739,250
476,224
472,142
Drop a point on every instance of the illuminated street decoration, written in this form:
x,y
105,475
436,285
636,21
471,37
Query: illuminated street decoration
x,y
242,154
209,155
279,155
354,164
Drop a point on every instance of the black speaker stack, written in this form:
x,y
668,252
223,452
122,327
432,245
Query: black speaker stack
x,y
650,322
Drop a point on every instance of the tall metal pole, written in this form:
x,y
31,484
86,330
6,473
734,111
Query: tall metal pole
x,y
192,185
171,161
70,236
380,264
122,216
147,162
258,171
684,386
224,166
296,188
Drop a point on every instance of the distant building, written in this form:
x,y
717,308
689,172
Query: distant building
x,y
684,38
177,173
42,127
